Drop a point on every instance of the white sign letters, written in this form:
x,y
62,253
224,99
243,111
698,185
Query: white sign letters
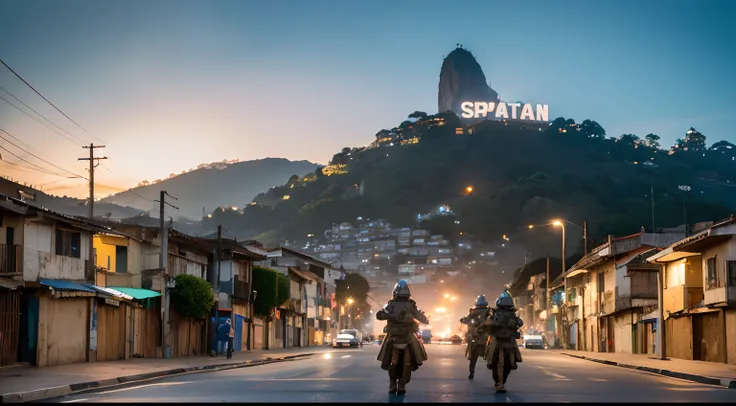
x,y
502,110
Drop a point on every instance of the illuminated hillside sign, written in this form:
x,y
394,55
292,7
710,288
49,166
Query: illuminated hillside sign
x,y
504,111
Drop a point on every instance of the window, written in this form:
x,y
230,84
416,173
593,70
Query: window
x,y
731,272
68,243
714,278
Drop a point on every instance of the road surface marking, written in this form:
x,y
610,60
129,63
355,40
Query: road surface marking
x,y
145,386
75,400
598,379
346,356
556,375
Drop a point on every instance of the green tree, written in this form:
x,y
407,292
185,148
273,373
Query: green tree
x,y
318,172
628,139
592,129
694,141
652,141
192,296
419,115
272,288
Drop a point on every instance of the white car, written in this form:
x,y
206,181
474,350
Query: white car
x,y
535,341
346,340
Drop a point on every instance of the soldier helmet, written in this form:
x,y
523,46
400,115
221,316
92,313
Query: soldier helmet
x,y
481,301
505,300
402,289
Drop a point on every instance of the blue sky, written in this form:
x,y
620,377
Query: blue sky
x,y
172,84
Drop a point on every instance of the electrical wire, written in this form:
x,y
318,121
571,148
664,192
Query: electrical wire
x,y
41,169
77,141
33,155
47,100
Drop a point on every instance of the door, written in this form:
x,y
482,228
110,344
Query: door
x,y
10,249
9,326
28,328
121,258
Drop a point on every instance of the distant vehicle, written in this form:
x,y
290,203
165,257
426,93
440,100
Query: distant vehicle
x,y
346,340
355,333
426,336
535,341
456,339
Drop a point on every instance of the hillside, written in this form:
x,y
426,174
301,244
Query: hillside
x,y
215,185
520,176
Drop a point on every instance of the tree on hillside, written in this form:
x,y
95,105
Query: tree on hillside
x,y
405,124
652,141
723,147
628,140
592,129
557,125
293,180
419,115
318,172
383,133
694,141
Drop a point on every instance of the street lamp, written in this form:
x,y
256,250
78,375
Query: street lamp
x,y
469,189
447,295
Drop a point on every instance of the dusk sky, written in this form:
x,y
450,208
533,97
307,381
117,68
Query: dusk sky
x,y
168,85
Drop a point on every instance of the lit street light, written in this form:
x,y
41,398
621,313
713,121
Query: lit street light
x,y
350,300
469,189
447,295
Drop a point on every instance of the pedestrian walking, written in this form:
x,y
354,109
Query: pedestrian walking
x,y
230,339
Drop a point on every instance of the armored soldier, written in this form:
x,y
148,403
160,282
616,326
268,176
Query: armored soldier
x,y
477,333
502,351
401,351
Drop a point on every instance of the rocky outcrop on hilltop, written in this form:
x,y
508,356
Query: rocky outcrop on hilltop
x,y
462,79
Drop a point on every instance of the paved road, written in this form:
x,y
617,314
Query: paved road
x,y
353,375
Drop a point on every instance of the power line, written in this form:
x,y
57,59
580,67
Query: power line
x,y
42,169
34,155
42,116
47,100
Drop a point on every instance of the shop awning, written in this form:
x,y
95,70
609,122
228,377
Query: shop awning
x,y
137,293
67,288
109,292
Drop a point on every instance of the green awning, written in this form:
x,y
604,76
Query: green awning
x,y
137,293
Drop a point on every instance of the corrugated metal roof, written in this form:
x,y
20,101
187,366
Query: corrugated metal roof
x,y
138,293
11,284
63,285
109,291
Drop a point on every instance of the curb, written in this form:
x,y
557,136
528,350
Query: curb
x,y
58,391
727,383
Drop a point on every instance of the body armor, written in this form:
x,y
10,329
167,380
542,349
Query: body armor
x,y
502,351
401,351
477,335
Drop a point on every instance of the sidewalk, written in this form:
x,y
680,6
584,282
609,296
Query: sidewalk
x,y
710,373
25,383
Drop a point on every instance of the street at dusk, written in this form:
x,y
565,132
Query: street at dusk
x,y
352,376
367,201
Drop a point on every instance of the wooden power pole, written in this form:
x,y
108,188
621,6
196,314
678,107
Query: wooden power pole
x,y
93,163
162,262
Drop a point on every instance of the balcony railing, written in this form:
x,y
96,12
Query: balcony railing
x,y
11,259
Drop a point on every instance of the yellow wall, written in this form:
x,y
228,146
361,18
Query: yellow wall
x,y
105,247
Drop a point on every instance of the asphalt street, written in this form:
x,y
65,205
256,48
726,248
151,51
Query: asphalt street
x,y
354,375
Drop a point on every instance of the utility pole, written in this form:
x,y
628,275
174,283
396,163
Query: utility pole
x,y
162,262
93,162
217,285
585,237
549,300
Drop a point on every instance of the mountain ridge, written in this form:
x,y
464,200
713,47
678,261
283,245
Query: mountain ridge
x,y
219,184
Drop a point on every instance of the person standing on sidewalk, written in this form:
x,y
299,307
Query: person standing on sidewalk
x,y
230,339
